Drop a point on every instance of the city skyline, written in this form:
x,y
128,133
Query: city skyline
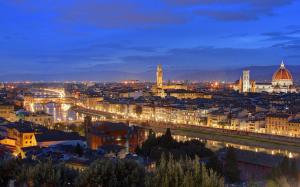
x,y
74,38
171,93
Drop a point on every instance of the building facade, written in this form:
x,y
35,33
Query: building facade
x,y
159,88
282,82
7,112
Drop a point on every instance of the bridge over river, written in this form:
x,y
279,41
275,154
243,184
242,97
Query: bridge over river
x,y
47,95
96,113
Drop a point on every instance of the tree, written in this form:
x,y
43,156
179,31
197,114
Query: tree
x,y
185,173
271,183
148,145
215,164
285,172
46,174
154,147
114,173
293,171
8,170
87,124
78,150
167,140
284,165
138,150
168,134
231,170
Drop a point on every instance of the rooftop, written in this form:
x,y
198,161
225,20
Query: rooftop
x,y
109,126
54,135
25,127
296,120
278,115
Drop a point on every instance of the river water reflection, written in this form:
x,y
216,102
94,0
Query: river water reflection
x,y
216,145
60,112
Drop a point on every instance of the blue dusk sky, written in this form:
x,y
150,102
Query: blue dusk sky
x,y
62,36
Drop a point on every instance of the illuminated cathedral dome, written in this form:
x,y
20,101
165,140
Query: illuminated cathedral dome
x,y
282,74
282,77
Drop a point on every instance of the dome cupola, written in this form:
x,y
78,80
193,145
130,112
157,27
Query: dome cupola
x,y
282,77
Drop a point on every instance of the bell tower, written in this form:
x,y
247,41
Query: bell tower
x,y
246,81
159,77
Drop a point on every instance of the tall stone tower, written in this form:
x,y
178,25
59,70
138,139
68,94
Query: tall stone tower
x,y
159,77
246,85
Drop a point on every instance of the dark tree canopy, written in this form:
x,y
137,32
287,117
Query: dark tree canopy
x,y
287,169
154,147
114,173
78,150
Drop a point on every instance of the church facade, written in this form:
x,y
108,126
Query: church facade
x,y
282,82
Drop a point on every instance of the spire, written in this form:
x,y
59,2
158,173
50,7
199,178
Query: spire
x,y
282,65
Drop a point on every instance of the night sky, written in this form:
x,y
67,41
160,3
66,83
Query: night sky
x,y
63,36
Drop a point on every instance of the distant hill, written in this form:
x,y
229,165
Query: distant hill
x,y
258,73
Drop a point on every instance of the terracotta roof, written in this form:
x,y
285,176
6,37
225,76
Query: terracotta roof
x,y
282,74
279,115
57,136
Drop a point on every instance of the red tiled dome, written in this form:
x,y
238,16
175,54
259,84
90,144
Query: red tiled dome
x,y
282,74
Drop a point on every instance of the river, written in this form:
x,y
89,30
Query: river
x,y
60,112
63,113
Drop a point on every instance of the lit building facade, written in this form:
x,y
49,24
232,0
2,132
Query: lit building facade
x,y
107,133
246,87
283,124
282,82
186,94
7,112
277,124
23,135
159,88
40,118
159,77
294,128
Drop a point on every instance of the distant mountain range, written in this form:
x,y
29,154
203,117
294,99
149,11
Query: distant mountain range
x,y
258,73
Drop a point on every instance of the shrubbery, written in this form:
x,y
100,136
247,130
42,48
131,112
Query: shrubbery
x,y
116,173
155,147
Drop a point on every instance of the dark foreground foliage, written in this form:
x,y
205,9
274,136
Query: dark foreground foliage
x,y
115,173
154,147
285,174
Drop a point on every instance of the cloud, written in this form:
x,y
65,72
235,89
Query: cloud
x,y
288,39
120,46
293,27
279,36
118,14
208,57
111,14
104,52
255,4
227,15
245,10
293,56
291,45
